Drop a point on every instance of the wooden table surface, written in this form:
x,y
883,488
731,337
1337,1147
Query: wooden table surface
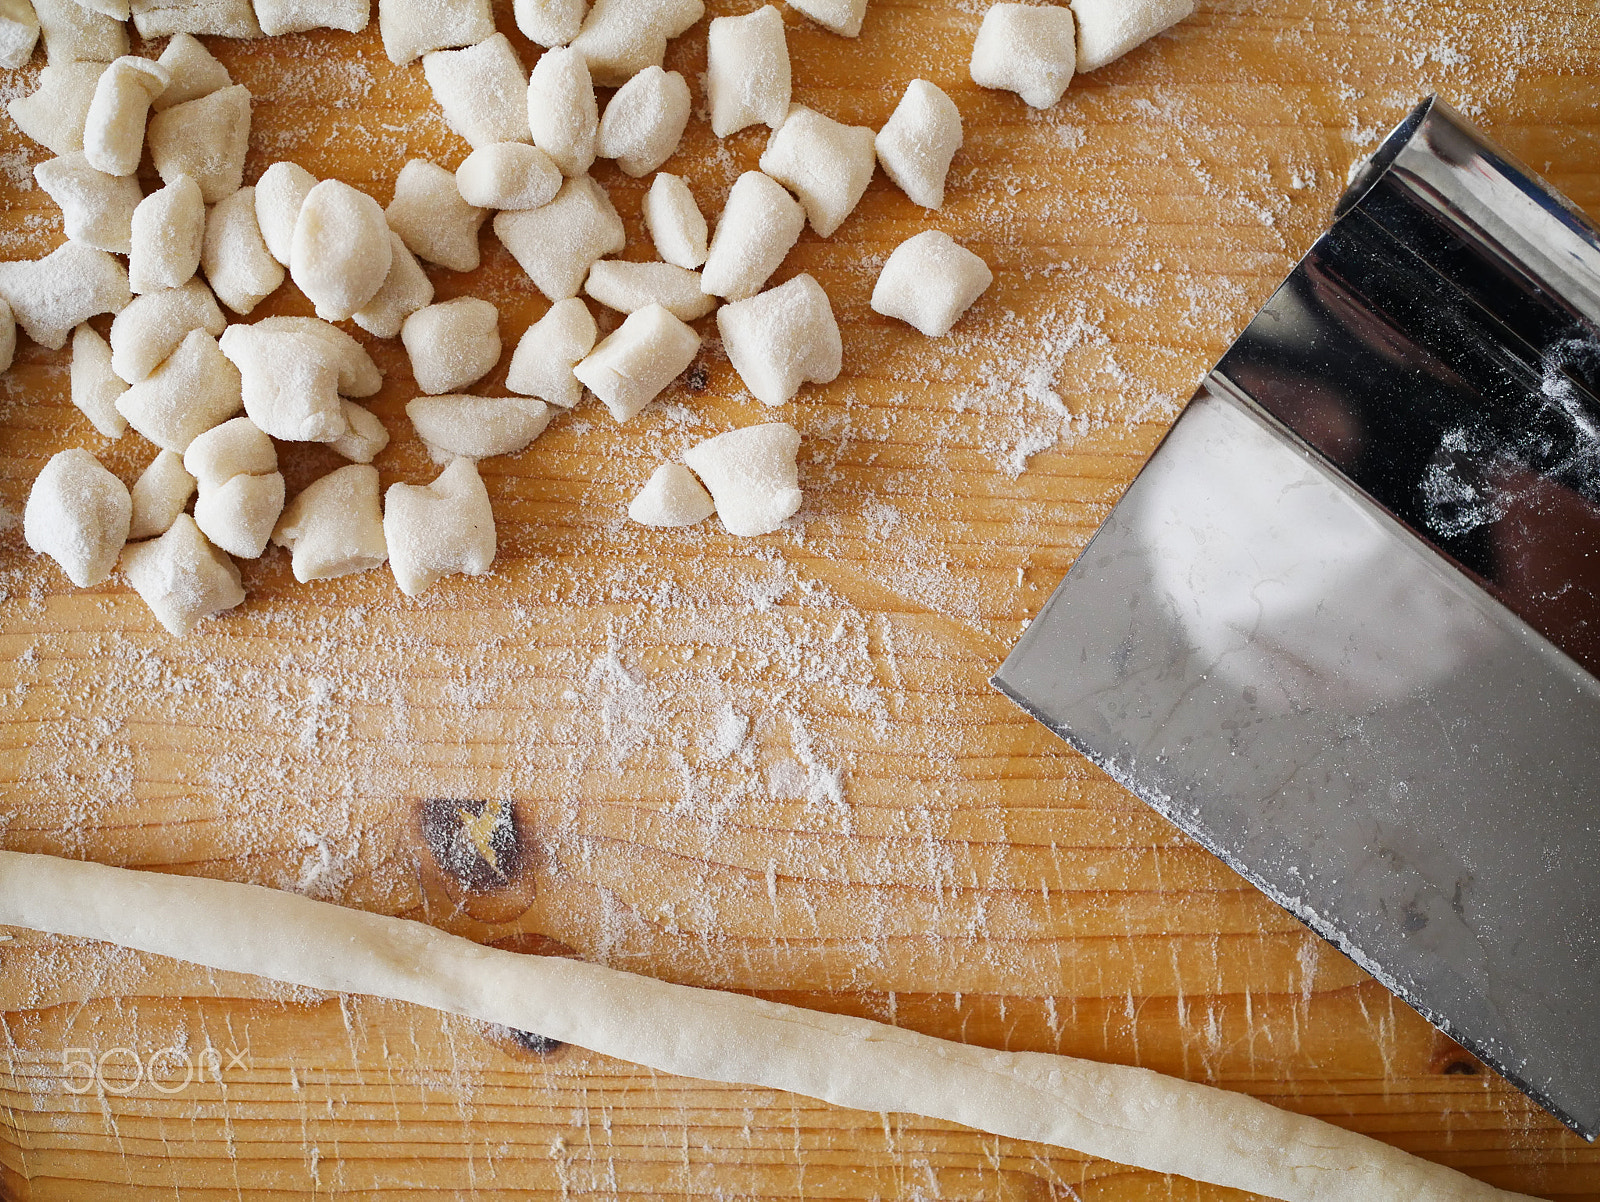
x,y
771,765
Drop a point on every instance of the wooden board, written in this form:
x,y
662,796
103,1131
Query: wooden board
x,y
773,765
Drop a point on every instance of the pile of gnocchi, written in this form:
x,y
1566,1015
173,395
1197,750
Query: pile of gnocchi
x,y
216,395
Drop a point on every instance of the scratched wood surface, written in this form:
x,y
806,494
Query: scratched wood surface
x,y
771,766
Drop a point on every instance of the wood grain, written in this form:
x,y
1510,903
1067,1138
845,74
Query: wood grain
x,y
771,766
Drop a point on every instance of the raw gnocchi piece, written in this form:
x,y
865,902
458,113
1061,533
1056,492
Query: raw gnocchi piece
x,y
1108,29
192,72
113,130
542,364
181,576
747,71
297,16
826,164
8,336
194,389
477,427
159,495
671,497
95,387
117,10
53,114
563,114
759,226
452,344
781,339
240,269
335,526
96,208
645,121
1029,49
412,28
281,190
356,374
224,18
432,219
295,372
78,514
240,491
339,256
364,434
629,287
676,225
916,145
558,243
929,282
549,23
436,530
406,289
508,175
168,234
752,476
620,38
153,325
204,138
75,32
69,285
483,91
19,32
843,17
641,357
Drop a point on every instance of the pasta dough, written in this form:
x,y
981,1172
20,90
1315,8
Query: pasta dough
x,y
747,71
483,91
676,225
828,165
1108,29
78,513
916,145
929,282
435,530
181,576
452,344
558,243
96,208
542,364
335,526
1029,49
781,339
752,476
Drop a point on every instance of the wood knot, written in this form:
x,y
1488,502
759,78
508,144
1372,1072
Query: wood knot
x,y
475,843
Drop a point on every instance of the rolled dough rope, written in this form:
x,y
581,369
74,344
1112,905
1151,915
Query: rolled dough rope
x,y
1129,1115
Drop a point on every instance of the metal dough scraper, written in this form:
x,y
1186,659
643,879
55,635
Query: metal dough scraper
x,y
1344,627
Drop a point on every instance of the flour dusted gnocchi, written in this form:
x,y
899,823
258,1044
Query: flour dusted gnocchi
x,y
159,495
192,72
96,208
297,16
167,236
432,219
181,576
483,91
843,17
75,32
826,164
69,285
671,497
153,325
439,529
629,287
355,373
95,387
19,32
411,28
406,289
339,256
549,22
645,120
78,514
452,344
929,282
294,372
642,356
508,175
238,266
563,114
113,131
759,226
240,490
1108,29
224,18
194,389
476,426
747,71
542,364
54,113
676,225
752,476
916,145
281,190
558,243
620,38
204,138
335,526
1029,49
781,339
364,434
